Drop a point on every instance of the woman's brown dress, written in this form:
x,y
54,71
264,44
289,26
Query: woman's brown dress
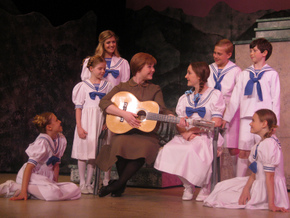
x,y
135,143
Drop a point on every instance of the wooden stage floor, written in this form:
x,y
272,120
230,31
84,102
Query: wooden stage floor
x,y
136,202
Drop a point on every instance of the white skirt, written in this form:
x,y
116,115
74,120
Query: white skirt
x,y
191,160
49,189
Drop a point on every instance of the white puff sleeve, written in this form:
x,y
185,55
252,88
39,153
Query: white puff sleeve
x,y
37,151
269,154
62,145
79,95
85,74
125,71
217,105
181,105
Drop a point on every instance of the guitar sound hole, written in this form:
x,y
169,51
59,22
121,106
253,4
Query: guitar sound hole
x,y
141,115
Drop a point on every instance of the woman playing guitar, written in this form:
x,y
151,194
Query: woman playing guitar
x,y
132,149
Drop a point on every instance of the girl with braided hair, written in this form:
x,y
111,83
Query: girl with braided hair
x,y
189,155
38,177
265,188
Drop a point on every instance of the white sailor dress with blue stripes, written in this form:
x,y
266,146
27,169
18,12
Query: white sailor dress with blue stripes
x,y
269,158
39,152
192,159
87,97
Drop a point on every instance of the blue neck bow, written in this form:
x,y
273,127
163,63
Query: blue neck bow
x,y
200,111
196,98
52,160
94,94
253,166
250,85
188,92
115,73
218,81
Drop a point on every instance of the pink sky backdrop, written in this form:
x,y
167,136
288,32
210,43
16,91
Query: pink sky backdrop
x,y
202,7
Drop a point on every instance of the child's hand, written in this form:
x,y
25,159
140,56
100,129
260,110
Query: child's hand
x,y
21,196
182,123
277,209
219,152
224,124
245,197
82,133
188,135
104,127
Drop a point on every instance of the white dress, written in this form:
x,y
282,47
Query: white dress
x,y
228,77
92,118
192,159
226,194
117,63
42,175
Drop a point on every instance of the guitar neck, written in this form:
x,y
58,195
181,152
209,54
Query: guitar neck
x,y
162,118
203,124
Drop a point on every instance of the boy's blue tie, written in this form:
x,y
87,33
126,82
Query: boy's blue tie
x,y
218,80
250,85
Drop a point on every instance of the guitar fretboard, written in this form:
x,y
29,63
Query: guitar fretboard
x,y
209,125
162,117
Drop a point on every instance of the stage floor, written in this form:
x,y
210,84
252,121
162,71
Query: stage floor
x,y
136,202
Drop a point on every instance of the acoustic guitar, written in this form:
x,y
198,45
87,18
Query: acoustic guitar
x,y
148,114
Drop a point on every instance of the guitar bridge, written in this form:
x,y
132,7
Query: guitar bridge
x,y
124,109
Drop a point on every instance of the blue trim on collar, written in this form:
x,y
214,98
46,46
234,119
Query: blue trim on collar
x,y
201,102
223,72
54,150
101,88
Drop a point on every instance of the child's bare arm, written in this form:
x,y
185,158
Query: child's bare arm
x,y
56,172
245,196
81,132
271,193
25,181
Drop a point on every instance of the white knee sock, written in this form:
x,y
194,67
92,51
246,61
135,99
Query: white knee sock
x,y
90,172
242,166
107,176
186,183
234,162
82,164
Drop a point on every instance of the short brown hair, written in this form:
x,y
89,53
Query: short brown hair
x,y
263,45
227,43
139,60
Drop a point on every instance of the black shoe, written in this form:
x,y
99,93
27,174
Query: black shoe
x,y
105,190
119,192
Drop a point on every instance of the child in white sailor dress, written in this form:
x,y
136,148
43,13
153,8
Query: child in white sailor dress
x,y
38,177
252,192
117,71
89,119
87,97
191,159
